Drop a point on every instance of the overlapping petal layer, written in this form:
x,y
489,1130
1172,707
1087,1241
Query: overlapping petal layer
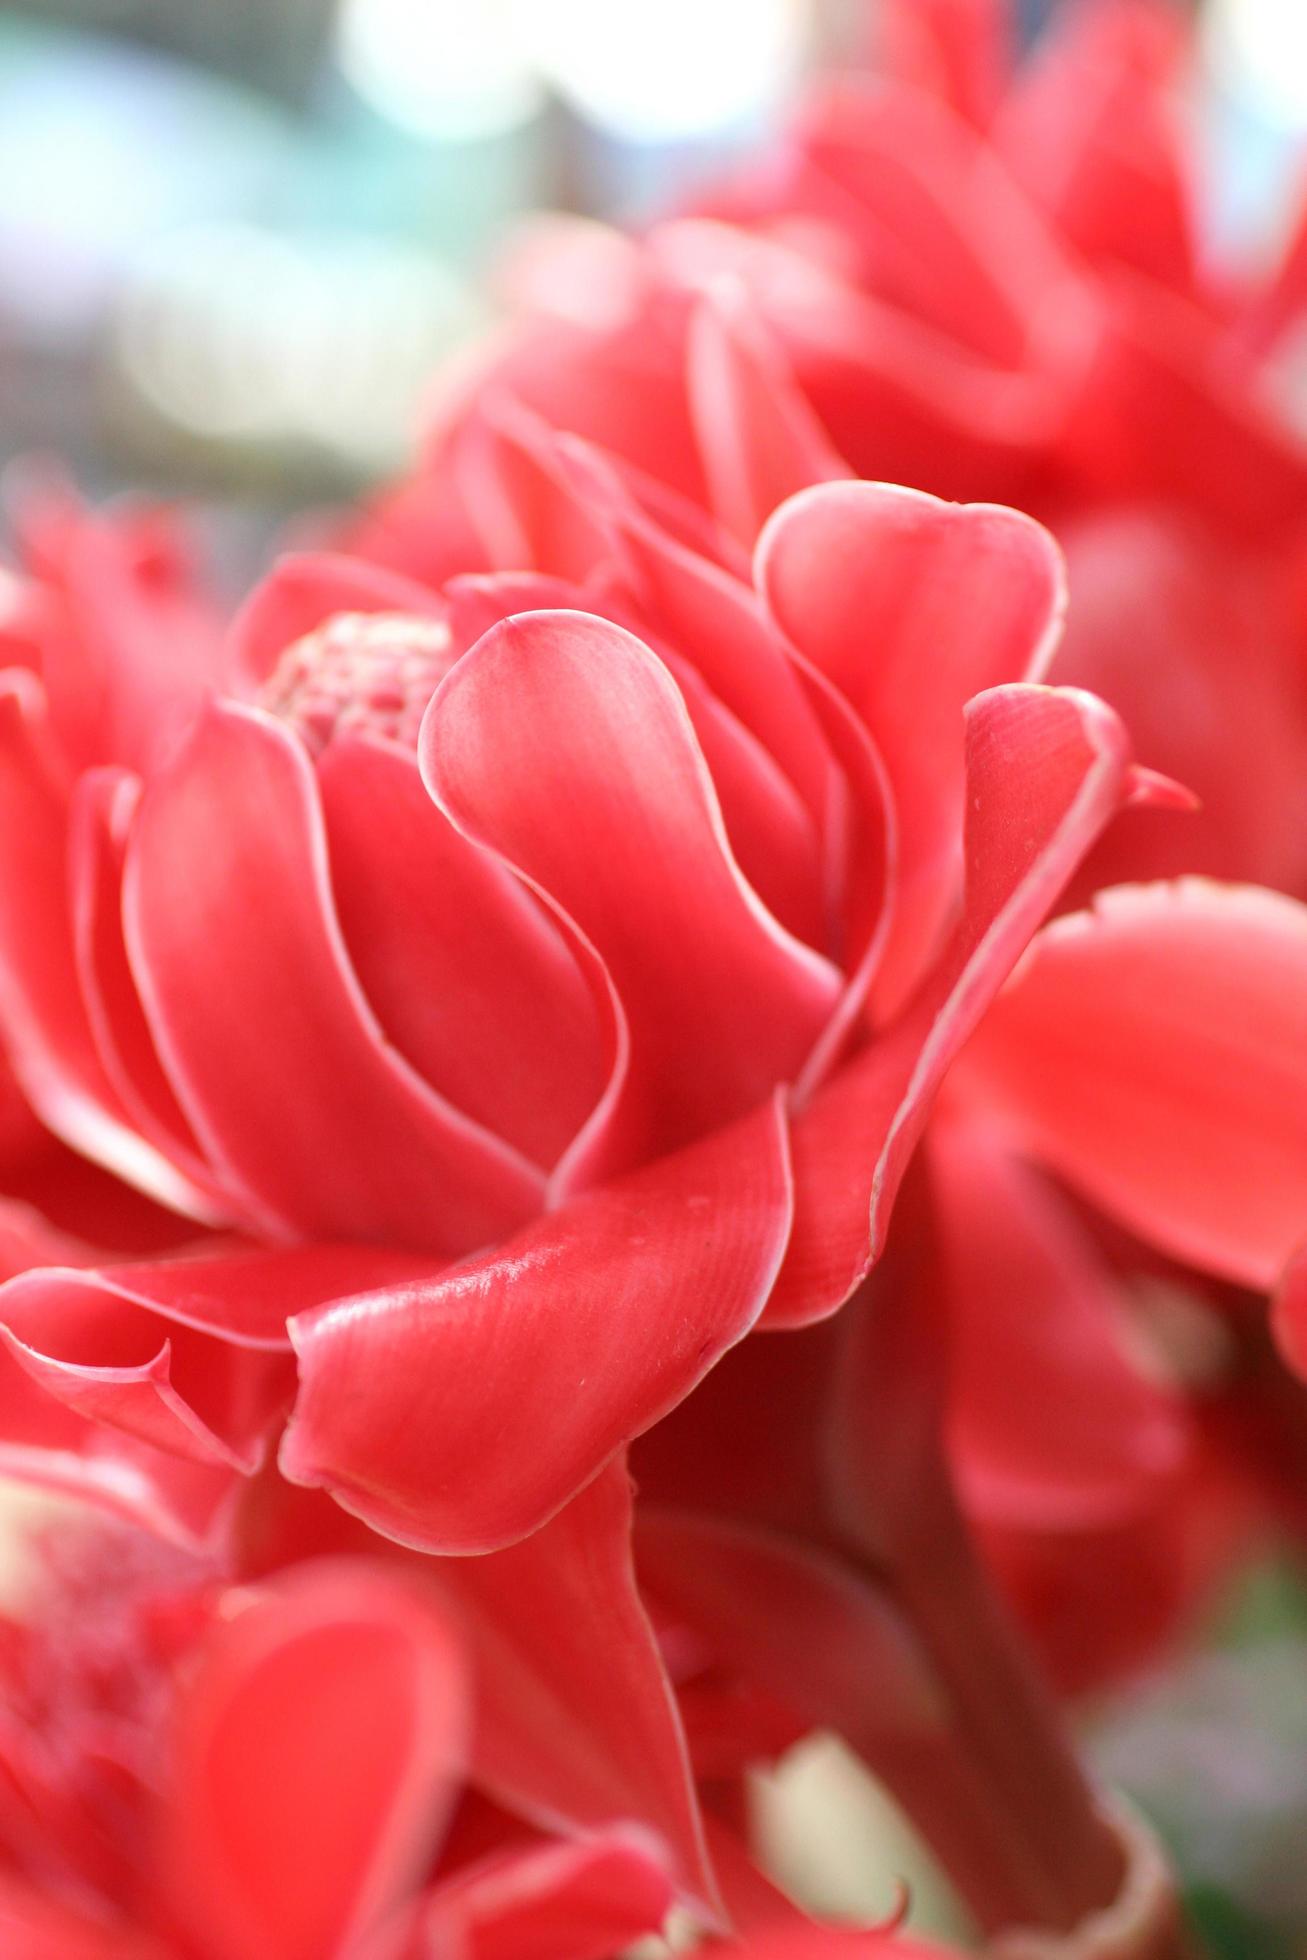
x,y
1046,770
412,1409
1153,1051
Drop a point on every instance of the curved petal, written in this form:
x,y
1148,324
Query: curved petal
x,y
577,1726
133,638
262,1027
103,1354
188,1354
758,438
523,507
900,398
823,1638
774,836
468,974
103,806
1091,131
1050,1423
49,1038
34,1926
319,1745
610,1309
562,743
1046,770
583,1901
912,606
1154,1053
941,228
224,1416
1219,701
236,1291
45,1443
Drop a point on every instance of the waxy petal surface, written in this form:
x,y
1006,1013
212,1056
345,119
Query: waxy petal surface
x,y
562,743
269,1043
467,973
1154,1053
1046,770
306,588
458,1414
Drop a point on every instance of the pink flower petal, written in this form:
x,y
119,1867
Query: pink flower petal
x,y
262,1027
319,1747
47,1028
1051,1424
564,1650
759,440
467,973
912,606
103,807
47,1444
581,1901
959,50
561,743
1154,1053
569,1339
1046,770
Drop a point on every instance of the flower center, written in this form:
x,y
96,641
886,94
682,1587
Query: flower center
x,y
364,673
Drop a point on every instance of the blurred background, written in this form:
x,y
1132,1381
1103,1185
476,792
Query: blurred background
x,y
236,238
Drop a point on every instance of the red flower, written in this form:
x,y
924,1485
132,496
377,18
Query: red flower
x,y
267,1773
984,278
530,1059
980,276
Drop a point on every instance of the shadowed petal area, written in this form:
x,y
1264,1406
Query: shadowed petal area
x,y
49,1035
458,1414
1289,1316
1153,1051
1046,770
1051,1423
44,1442
912,606
269,1847
564,1647
188,1354
826,1640
103,807
562,743
466,971
271,1048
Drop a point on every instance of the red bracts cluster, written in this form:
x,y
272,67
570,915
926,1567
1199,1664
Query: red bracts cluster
x,y
644,961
